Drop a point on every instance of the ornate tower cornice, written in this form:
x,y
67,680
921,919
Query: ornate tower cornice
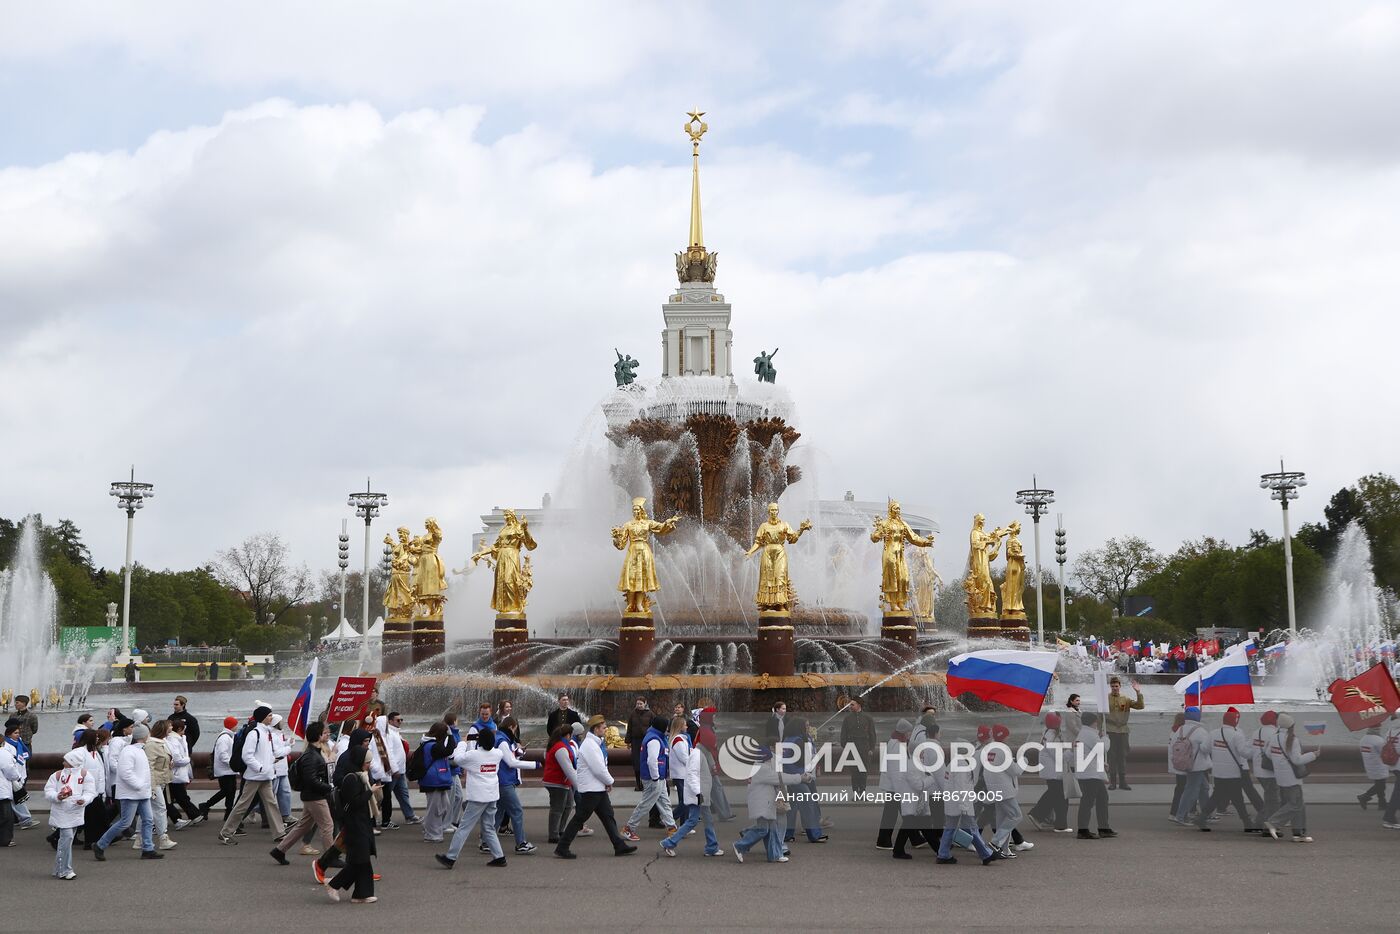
x,y
695,263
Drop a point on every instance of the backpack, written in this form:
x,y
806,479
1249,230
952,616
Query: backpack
x,y
294,774
417,767
1390,752
235,759
1183,756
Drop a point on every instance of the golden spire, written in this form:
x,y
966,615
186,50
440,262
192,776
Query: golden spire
x,y
695,263
695,128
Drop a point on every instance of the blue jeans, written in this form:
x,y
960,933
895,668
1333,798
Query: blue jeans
x,y
400,787
955,822
129,809
63,862
807,810
695,814
1194,794
483,812
283,788
510,803
680,809
764,829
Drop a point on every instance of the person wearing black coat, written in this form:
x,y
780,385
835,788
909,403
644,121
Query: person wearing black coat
x,y
313,779
191,724
357,831
344,765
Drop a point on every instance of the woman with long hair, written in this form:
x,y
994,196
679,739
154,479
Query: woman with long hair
x,y
357,829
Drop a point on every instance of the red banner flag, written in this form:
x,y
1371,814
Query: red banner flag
x,y
1367,699
350,696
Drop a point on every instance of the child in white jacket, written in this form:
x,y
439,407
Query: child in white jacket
x,y
69,791
1376,770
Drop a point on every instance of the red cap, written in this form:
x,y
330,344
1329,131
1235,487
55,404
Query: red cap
x,y
1053,721
999,732
984,733
230,722
1232,717
1269,718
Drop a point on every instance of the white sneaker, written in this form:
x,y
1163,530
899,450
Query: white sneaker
x,y
1064,830
716,853
167,844
668,850
586,832
784,859
1022,847
1302,839
1390,826
68,875
136,843
739,856
182,824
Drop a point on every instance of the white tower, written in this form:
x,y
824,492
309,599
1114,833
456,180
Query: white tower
x,y
697,340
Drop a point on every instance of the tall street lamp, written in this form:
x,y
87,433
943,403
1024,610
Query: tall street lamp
x,y
1060,551
367,506
131,496
343,560
1036,502
1284,486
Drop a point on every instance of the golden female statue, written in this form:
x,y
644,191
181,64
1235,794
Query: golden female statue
x,y
512,580
982,551
1013,589
430,584
638,576
926,584
773,536
398,596
893,531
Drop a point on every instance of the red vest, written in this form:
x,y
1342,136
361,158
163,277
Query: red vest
x,y
553,774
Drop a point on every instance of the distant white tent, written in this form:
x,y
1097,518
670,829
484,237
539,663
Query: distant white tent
x,y
376,631
343,632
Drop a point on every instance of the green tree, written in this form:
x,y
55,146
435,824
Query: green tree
x,y
1114,570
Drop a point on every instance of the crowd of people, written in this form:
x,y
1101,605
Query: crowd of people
x,y
127,779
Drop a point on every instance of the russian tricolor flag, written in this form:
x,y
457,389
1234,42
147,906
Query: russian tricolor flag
x,y
1220,683
300,714
1013,678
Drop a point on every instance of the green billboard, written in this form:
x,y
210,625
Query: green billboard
x,y
89,639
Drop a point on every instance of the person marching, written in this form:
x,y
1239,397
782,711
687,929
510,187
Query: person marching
x,y
482,765
1229,764
355,793
1372,743
593,783
697,787
69,791
223,771
655,768
1290,766
1053,806
313,782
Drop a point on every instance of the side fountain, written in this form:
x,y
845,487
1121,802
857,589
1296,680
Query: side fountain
x,y
32,661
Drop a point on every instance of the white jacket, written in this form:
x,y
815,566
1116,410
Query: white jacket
x,y
1283,770
9,771
97,765
1229,752
257,755
1048,769
692,786
482,768
1394,732
393,745
115,745
894,750
591,771
182,771
133,773
281,746
1089,749
909,781
678,758
960,787
1007,781
1371,745
81,785
223,751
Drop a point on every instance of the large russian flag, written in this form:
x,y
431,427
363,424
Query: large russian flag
x,y
1013,678
1222,682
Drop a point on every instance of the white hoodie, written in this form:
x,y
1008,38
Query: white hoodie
x,y
1371,745
10,771
181,771
393,745
82,788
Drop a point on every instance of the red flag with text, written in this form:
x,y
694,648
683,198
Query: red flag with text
x,y
1367,699
350,696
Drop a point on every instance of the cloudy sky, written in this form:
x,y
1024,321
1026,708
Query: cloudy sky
x,y
1140,250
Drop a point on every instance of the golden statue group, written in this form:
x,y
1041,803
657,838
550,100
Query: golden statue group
x,y
981,592
417,578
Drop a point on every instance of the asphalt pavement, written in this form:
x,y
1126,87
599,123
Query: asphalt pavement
x,y
1155,876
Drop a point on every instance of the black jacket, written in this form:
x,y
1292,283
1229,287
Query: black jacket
x,y
315,784
356,822
559,717
191,727
638,722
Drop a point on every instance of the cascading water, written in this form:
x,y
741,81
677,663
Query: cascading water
x,y
31,658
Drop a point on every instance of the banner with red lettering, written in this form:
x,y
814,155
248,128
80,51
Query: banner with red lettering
x,y
350,696
1367,699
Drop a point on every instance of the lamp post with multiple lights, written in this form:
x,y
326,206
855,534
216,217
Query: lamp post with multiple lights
x,y
1036,501
1284,486
367,506
131,495
1060,552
